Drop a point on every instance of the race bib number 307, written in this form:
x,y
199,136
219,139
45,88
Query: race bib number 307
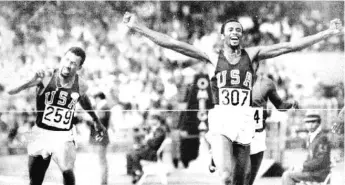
x,y
57,117
234,97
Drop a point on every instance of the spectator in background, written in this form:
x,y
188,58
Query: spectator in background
x,y
103,111
3,125
13,130
148,151
338,126
317,166
3,129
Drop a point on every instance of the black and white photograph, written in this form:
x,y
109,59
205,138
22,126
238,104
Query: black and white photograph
x,y
172,92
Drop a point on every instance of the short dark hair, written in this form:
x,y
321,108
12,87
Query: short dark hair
x,y
100,95
226,22
79,52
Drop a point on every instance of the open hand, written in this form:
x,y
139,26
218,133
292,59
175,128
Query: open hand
x,y
295,105
100,132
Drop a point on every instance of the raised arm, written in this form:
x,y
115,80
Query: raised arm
x,y
38,78
265,52
163,40
278,102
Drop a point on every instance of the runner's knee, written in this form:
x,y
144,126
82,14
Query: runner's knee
x,y
286,175
103,160
67,172
247,174
66,166
226,177
68,176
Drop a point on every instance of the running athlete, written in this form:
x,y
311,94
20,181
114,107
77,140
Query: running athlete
x,y
58,92
263,89
231,87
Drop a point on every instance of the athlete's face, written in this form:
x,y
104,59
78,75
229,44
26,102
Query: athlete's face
x,y
70,64
232,34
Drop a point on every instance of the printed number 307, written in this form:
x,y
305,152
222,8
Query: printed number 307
x,y
233,97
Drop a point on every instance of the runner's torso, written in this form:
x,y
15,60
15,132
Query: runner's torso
x,y
56,105
232,83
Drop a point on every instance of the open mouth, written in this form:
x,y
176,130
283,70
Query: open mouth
x,y
65,70
234,38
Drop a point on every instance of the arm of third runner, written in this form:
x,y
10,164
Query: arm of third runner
x,y
87,106
278,102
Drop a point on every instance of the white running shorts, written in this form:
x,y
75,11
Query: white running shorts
x,y
233,122
45,142
259,143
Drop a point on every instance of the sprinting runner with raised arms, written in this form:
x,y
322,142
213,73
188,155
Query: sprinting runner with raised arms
x,y
230,120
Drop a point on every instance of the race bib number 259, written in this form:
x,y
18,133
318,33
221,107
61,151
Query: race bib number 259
x,y
57,117
234,97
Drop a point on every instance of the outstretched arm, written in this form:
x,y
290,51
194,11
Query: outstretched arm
x,y
265,52
164,40
39,75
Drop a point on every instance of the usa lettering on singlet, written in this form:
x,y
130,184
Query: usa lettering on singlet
x,y
232,83
56,105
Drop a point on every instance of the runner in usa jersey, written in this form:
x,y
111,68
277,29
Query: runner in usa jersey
x,y
230,120
232,83
55,105
263,90
58,92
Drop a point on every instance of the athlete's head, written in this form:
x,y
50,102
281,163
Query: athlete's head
x,y
232,32
312,120
72,61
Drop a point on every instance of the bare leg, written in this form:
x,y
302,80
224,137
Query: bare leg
x,y
65,158
102,154
255,161
230,159
37,169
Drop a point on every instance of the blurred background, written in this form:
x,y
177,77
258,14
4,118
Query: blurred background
x,y
141,79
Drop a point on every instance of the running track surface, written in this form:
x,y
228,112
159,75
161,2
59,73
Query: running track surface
x,y
13,171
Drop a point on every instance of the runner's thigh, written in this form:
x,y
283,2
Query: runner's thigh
x,y
65,155
222,152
